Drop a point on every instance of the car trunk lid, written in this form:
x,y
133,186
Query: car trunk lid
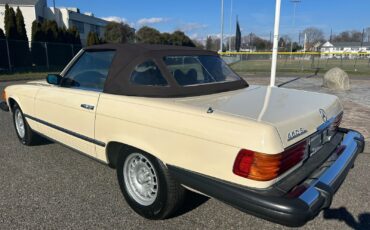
x,y
294,113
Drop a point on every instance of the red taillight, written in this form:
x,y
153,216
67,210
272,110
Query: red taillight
x,y
264,167
243,163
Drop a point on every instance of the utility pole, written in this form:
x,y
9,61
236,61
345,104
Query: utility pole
x,y
222,26
270,37
231,26
250,42
276,41
295,2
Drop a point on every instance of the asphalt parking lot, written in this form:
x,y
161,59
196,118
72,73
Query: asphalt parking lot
x,y
52,187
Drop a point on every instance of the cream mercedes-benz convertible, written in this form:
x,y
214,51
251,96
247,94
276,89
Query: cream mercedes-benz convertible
x,y
173,118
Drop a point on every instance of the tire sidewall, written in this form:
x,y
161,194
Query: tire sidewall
x,y
156,209
24,139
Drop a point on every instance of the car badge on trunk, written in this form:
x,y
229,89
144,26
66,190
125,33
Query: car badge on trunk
x,y
323,115
296,133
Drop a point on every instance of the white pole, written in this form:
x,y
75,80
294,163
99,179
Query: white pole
x,y
231,25
276,41
222,25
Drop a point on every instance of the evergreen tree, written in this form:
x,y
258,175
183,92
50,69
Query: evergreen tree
x,y
63,35
118,33
37,32
37,47
178,38
3,51
238,37
92,39
209,43
51,31
6,19
148,35
22,49
74,35
152,36
10,23
16,34
21,28
165,38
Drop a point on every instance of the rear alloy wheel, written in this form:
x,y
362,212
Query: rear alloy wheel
x,y
24,133
140,179
147,186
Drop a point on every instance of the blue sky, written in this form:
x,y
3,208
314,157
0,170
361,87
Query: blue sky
x,y
199,18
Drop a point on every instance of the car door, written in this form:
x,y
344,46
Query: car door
x,y
66,112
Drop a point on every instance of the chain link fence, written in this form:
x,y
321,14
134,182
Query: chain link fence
x,y
260,62
24,56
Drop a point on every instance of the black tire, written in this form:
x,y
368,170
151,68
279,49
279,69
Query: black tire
x,y
170,195
30,137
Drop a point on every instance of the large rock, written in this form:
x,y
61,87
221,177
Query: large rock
x,y
336,78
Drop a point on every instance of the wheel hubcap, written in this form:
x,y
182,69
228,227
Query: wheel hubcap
x,y
19,123
140,179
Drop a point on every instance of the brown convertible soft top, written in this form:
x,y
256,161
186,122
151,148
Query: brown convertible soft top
x,y
129,55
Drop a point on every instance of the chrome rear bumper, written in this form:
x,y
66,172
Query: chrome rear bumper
x,y
322,190
286,209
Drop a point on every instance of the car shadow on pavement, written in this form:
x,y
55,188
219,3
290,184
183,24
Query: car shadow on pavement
x,y
192,201
342,214
43,141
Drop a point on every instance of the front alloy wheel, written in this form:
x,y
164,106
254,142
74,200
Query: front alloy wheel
x,y
19,123
24,132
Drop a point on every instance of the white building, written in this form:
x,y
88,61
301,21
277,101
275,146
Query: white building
x,y
67,17
345,49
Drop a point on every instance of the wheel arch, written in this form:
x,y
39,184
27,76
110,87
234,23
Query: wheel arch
x,y
115,148
12,102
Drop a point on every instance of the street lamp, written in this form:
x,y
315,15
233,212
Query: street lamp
x,y
295,2
231,26
222,26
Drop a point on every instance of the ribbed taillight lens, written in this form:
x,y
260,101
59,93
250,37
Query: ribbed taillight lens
x,y
265,167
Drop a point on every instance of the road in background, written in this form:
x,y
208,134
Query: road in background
x,y
52,187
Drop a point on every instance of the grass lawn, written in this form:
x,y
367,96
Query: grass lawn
x,y
285,65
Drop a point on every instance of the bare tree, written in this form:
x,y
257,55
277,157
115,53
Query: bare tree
x,y
348,36
367,31
314,35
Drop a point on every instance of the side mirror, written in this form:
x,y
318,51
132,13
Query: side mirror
x,y
53,79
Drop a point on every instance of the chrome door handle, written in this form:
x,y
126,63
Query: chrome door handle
x,y
89,107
